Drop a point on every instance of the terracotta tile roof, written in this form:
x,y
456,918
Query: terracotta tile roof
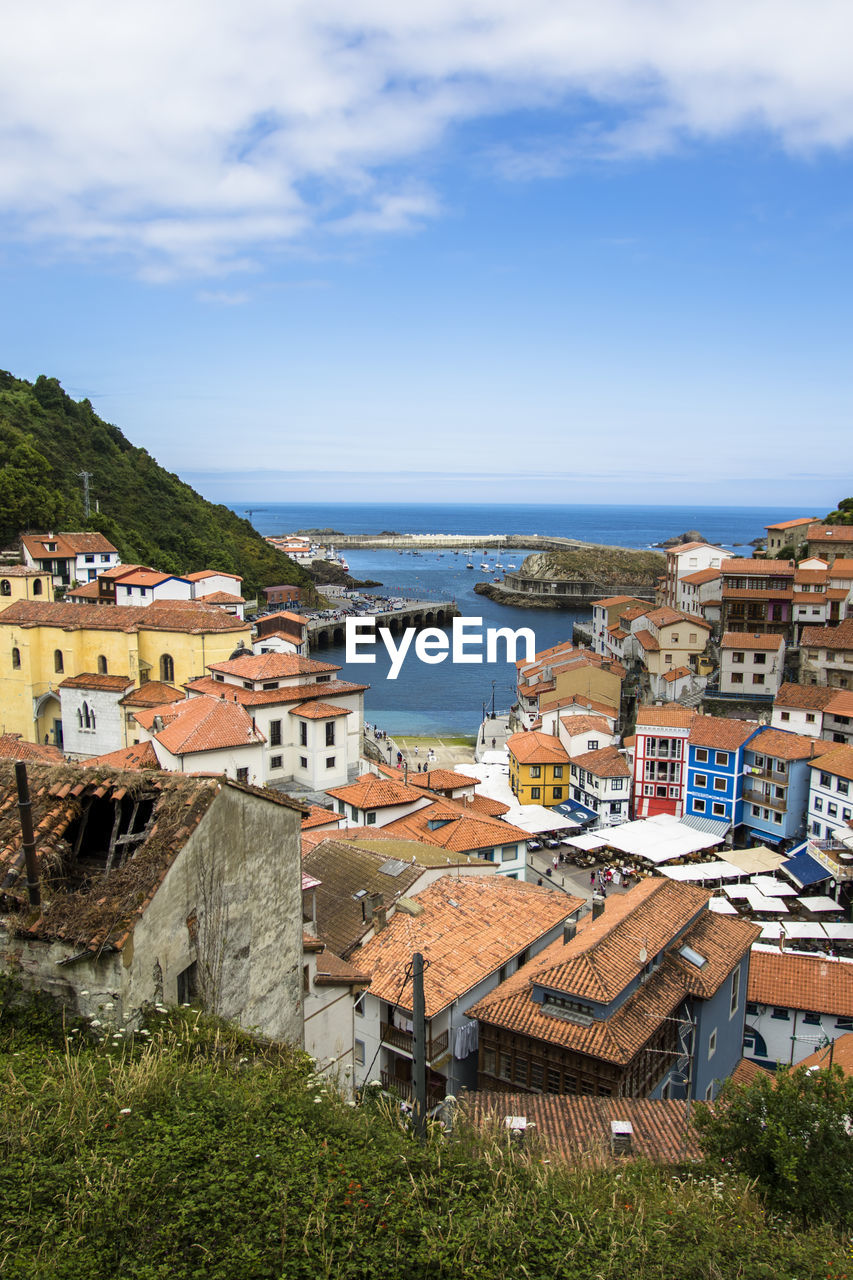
x,y
785,746
282,613
84,542
616,633
747,1070
809,697
578,1129
670,717
13,747
211,573
536,747
840,637
790,524
461,830
139,756
611,600
93,680
320,817
130,618
816,984
837,761
688,546
750,640
842,568
609,953
152,694
485,805
818,576
665,617
716,731
372,792
702,576
348,875
442,780
758,568
20,571
606,762
579,700
332,971
201,724
837,1054
469,927
836,593
585,724
272,697
272,666
830,533
114,572
88,591
148,578
67,544
677,673
647,641
812,597
318,711
756,593
636,611
841,704
222,597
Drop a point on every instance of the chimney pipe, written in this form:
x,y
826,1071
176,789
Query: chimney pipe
x,y
597,906
570,928
27,837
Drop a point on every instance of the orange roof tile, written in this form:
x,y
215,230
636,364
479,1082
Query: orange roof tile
x,y
606,762
222,597
677,673
13,747
458,828
750,640
585,724
841,703
743,567
817,984
579,700
139,756
443,780
688,546
700,577
536,747
201,724
211,573
372,792
836,638
318,816
830,533
271,666
810,697
272,697
95,681
647,641
837,1054
670,717
837,761
152,694
785,746
717,731
842,568
469,927
130,618
318,711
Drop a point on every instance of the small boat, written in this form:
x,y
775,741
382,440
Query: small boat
x,y
485,567
470,564
511,566
497,580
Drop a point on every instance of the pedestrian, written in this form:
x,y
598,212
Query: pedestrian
x,y
416,749
539,881
555,862
592,879
494,740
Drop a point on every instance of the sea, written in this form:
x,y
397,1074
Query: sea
x,y
450,699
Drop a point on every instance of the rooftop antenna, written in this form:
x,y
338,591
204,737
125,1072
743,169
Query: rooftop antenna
x,y
86,476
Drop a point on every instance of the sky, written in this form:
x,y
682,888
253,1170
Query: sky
x,y
446,250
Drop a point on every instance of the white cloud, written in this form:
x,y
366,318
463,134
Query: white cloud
x,y
192,136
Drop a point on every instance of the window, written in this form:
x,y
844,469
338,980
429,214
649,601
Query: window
x,y
16,658
709,1092
809,718
674,638
592,744
735,993
698,806
275,733
5,587
818,803
759,659
359,1052
758,678
37,587
722,758
780,1014
102,665
844,1023
275,762
718,810
825,780
535,793
712,1043
303,734
842,786
371,818
330,733
785,715
303,762
242,775
535,771
700,780
188,983
58,663
558,793
720,784
737,677
167,668
558,770
701,755
330,762
811,1019
832,810
737,657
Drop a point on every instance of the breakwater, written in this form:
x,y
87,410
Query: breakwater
x,y
456,542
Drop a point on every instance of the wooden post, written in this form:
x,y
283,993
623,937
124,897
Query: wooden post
x,y
419,1050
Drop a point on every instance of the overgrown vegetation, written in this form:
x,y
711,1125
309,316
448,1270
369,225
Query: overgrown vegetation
x,y
601,564
843,513
150,515
191,1151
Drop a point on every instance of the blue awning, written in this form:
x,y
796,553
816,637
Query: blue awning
x,y
803,870
577,812
763,836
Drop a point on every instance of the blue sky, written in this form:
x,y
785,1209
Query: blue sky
x,y
447,251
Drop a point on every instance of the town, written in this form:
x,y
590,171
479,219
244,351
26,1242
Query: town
x,y
637,887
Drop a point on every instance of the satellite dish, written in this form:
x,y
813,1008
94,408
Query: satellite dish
x,y
644,955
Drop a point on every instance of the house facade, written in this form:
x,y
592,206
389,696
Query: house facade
x,y
830,803
826,655
787,534
757,596
751,664
795,1004
660,760
538,768
21,582
688,558
715,763
68,557
601,784
776,778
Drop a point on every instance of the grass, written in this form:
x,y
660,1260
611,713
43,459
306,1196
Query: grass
x,y
194,1152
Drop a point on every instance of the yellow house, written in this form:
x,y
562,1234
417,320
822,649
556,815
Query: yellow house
x,y
538,768
20,582
43,643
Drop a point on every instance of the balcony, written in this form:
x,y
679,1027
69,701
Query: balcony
x,y
754,796
766,774
405,1089
399,1039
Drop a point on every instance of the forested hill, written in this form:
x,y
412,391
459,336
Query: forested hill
x,y
46,438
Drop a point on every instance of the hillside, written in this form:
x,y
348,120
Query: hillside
x,y
191,1151
151,516
604,564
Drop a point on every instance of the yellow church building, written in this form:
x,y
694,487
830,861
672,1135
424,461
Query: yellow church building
x,y
41,644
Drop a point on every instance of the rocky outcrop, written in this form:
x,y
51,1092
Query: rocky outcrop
x,y
692,535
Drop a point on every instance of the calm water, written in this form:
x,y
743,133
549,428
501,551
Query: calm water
x,y
449,698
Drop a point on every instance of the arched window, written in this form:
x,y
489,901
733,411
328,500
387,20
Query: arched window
x,y
88,717
79,718
16,658
58,663
5,587
167,668
102,665
36,586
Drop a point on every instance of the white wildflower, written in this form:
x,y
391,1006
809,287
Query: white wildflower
x,y
84,993
96,1022
125,1111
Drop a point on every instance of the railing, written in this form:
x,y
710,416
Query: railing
x,y
768,775
401,1039
769,802
406,1090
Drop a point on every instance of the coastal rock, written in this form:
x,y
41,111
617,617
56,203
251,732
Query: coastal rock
x,y
692,535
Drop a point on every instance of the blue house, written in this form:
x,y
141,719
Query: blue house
x,y
645,998
715,763
776,785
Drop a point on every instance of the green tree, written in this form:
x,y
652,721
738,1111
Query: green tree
x,y
792,1133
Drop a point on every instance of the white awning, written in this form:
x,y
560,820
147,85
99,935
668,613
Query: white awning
x,y
701,872
773,888
588,842
755,860
659,839
819,903
710,826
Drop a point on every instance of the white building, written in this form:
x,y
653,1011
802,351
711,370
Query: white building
x,y
205,735
830,792
686,559
92,714
69,557
819,711
601,782
751,664
142,586
795,1003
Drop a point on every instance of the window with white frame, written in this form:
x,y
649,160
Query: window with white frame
x,y
734,993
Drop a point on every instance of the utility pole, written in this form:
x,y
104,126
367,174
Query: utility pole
x,y
86,476
419,1049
